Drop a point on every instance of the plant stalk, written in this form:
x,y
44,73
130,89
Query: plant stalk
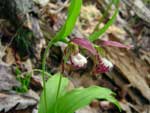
x,y
43,71
60,79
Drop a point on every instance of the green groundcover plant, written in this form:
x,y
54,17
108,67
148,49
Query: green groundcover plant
x,y
55,97
70,101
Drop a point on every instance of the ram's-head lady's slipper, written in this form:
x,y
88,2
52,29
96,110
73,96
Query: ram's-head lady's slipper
x,y
72,55
78,60
102,64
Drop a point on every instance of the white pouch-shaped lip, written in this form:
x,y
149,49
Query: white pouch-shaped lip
x,y
78,60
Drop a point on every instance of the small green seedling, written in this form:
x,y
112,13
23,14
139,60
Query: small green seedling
x,y
24,80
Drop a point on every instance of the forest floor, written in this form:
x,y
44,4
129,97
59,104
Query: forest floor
x,y
20,55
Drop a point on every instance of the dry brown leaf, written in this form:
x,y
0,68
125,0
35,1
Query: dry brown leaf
x,y
7,79
16,102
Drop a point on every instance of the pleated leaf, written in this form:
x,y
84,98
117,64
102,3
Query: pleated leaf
x,y
51,93
79,98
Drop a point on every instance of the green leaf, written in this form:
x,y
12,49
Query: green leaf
x,y
73,13
94,36
69,102
17,71
79,98
51,93
24,79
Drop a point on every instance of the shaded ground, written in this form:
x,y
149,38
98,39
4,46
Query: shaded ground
x,y
22,49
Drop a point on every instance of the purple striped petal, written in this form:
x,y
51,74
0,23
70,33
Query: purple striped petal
x,y
85,44
115,44
103,65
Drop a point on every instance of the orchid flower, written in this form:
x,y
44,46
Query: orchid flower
x,y
78,60
103,64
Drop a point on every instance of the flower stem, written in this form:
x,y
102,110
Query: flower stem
x,y
60,79
59,86
43,72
